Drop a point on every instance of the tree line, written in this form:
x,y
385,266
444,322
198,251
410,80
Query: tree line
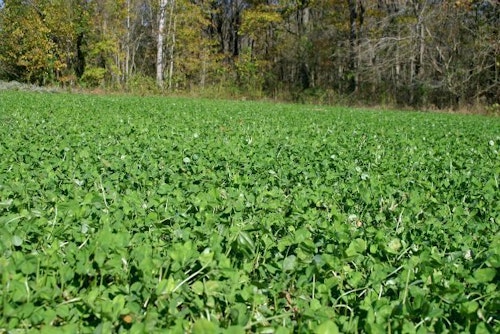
x,y
406,52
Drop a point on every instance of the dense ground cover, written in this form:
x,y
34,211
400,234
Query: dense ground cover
x,y
142,214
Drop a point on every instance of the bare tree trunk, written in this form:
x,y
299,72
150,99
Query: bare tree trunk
x,y
356,14
172,47
127,46
203,71
397,79
420,37
302,18
159,45
352,44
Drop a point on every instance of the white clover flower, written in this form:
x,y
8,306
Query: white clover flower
x,y
85,228
79,182
468,255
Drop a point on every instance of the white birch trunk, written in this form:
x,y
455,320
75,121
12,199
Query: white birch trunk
x,y
159,45
171,38
171,70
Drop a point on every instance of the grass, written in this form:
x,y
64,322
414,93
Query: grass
x,y
193,215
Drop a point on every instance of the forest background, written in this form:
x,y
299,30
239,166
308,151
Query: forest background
x,y
413,53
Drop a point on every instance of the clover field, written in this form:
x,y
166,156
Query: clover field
x,y
153,215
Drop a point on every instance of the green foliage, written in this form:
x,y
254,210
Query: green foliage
x,y
94,76
249,74
39,40
493,109
257,21
26,49
174,215
142,85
